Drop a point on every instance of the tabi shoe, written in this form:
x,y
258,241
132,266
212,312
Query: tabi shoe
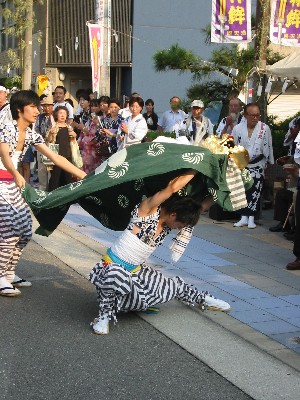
x,y
242,222
214,304
294,266
19,282
9,291
251,224
277,228
101,326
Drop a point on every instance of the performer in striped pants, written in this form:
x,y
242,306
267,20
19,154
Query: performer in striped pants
x,y
15,218
124,282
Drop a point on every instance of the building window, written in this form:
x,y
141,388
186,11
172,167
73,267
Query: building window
x,y
6,41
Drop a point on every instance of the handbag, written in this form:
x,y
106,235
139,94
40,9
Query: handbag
x,y
75,153
45,160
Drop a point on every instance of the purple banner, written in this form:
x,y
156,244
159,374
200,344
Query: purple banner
x,y
231,21
285,22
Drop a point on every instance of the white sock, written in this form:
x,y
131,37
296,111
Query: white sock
x,y
5,283
251,223
242,222
244,219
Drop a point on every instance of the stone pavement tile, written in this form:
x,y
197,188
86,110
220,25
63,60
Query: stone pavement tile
x,y
268,302
221,278
274,328
246,294
253,316
279,289
231,285
293,299
286,313
296,322
290,340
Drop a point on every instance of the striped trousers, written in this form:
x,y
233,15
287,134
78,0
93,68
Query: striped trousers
x,y
119,290
15,227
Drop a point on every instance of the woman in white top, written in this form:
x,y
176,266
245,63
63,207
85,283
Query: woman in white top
x,y
134,128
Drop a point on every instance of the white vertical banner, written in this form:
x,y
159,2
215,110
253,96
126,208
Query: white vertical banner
x,y
96,50
231,21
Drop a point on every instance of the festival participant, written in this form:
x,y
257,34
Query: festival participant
x,y
16,223
123,280
256,137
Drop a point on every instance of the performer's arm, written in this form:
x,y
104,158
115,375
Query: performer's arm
x,y
8,164
60,161
150,204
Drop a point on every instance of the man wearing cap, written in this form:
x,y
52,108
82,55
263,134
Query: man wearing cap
x,y
4,105
196,126
44,122
171,120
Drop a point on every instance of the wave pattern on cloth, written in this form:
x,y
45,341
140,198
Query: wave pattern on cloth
x,y
117,185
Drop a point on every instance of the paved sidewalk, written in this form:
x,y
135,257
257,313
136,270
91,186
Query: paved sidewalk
x,y
242,266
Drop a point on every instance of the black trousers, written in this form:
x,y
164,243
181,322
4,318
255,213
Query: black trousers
x,y
296,249
283,201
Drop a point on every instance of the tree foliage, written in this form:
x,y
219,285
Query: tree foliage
x,y
222,64
15,25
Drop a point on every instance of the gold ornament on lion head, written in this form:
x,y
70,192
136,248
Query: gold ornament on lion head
x,y
226,145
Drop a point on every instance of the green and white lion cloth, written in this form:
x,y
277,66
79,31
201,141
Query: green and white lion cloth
x,y
111,192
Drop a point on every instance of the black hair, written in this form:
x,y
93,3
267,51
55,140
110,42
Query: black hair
x,y
250,105
61,87
138,100
84,96
149,101
114,101
55,112
187,209
21,99
104,99
89,91
70,101
95,102
79,92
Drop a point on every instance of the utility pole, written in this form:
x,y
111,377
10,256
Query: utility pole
x,y
27,52
263,12
103,16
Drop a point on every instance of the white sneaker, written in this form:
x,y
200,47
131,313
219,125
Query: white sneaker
x,y
101,326
216,304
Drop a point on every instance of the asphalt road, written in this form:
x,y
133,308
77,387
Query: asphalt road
x,y
49,352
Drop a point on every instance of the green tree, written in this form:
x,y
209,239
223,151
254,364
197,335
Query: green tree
x,y
209,75
16,24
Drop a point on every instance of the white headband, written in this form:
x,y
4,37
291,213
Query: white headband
x,y
3,88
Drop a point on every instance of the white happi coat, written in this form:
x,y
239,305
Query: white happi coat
x,y
260,143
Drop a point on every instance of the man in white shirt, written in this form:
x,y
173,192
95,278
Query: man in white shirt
x,y
171,120
235,117
59,98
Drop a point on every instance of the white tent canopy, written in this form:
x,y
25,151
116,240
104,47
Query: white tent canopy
x,y
288,67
